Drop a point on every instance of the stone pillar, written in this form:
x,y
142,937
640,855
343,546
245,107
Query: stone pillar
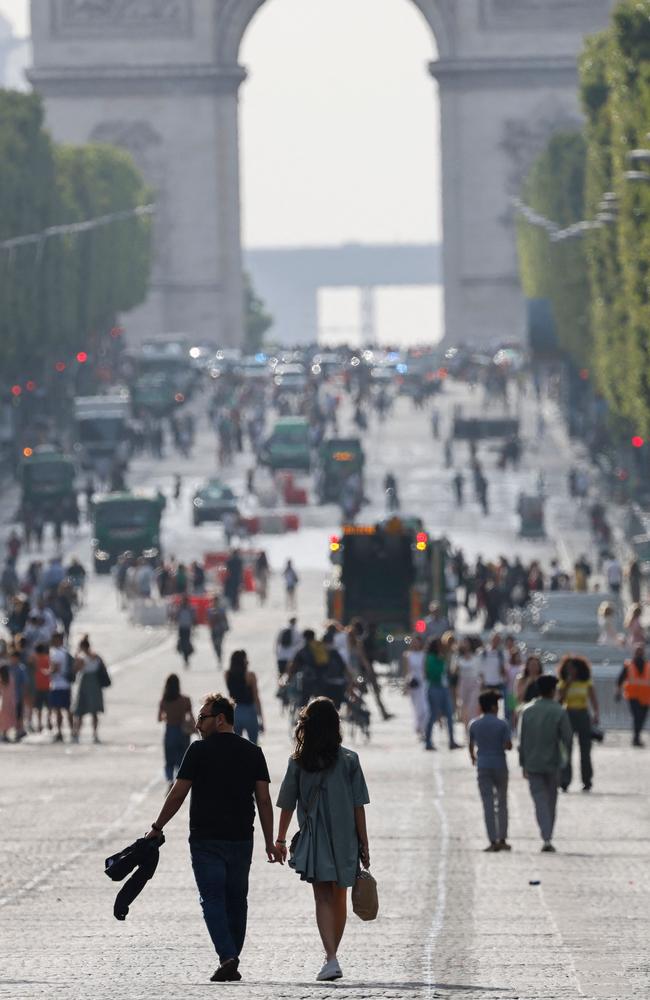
x,y
496,116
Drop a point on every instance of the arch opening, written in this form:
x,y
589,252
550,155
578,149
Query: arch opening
x,y
340,146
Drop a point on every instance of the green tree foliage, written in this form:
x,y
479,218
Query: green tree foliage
x,y
56,296
600,286
558,271
257,320
615,77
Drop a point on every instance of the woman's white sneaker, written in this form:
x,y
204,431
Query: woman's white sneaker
x,y
331,970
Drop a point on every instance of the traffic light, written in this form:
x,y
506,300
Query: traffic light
x,y
16,391
60,366
637,441
82,357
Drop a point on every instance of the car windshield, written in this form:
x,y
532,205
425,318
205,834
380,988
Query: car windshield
x,y
124,514
217,492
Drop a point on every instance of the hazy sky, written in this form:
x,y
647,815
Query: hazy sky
x,y
339,123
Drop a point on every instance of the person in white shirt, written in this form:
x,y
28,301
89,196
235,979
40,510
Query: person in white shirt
x,y
492,665
613,575
61,678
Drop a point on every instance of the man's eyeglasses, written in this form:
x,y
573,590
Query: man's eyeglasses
x,y
201,718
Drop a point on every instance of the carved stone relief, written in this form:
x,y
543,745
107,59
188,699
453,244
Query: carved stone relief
x,y
519,15
122,18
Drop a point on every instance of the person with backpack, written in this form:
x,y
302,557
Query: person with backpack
x,y
309,664
287,645
62,676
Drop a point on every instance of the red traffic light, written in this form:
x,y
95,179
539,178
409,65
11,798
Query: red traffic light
x,y
82,357
637,441
30,386
420,626
16,390
60,366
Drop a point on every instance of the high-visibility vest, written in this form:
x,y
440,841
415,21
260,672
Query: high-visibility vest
x,y
637,685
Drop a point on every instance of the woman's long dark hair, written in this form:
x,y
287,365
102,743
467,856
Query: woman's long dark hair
x,y
582,668
317,735
238,666
172,688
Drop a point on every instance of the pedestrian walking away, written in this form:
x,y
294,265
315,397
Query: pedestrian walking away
x,y
227,777
489,738
175,710
634,683
290,583
325,782
576,692
242,688
288,642
218,624
544,745
435,668
185,619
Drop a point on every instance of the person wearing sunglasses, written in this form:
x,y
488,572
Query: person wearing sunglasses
x,y
228,776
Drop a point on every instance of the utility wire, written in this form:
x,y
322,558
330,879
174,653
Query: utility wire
x,y
555,232
77,227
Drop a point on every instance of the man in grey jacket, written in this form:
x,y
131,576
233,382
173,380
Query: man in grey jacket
x,y
544,744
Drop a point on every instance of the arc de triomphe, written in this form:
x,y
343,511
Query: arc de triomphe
x,y
162,78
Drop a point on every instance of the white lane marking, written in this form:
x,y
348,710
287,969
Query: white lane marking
x,y
135,799
438,920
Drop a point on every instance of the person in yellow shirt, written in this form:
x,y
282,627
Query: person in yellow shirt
x,y
576,692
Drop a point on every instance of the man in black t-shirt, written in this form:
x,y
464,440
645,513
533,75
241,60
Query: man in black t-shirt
x,y
227,776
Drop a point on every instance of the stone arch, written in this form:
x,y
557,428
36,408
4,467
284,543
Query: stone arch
x,y
235,16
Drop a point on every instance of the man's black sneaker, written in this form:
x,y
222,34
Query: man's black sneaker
x,y
227,972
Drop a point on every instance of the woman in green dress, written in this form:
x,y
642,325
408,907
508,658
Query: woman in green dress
x,y
325,782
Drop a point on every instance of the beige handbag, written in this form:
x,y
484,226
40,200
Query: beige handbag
x,y
365,900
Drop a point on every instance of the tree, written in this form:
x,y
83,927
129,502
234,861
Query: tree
x,y
58,293
257,320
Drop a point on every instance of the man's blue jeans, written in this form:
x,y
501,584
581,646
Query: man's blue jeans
x,y
221,870
439,705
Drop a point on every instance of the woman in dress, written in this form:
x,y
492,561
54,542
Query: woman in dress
x,y
175,710
466,667
413,672
325,781
90,697
242,688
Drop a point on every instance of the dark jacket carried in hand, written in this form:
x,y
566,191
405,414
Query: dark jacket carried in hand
x,y
142,855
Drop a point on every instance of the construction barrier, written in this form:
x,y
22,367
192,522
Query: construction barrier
x,y
214,564
200,604
291,493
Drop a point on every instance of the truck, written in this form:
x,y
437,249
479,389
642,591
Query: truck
x,y
47,486
288,446
102,432
125,522
338,460
385,574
